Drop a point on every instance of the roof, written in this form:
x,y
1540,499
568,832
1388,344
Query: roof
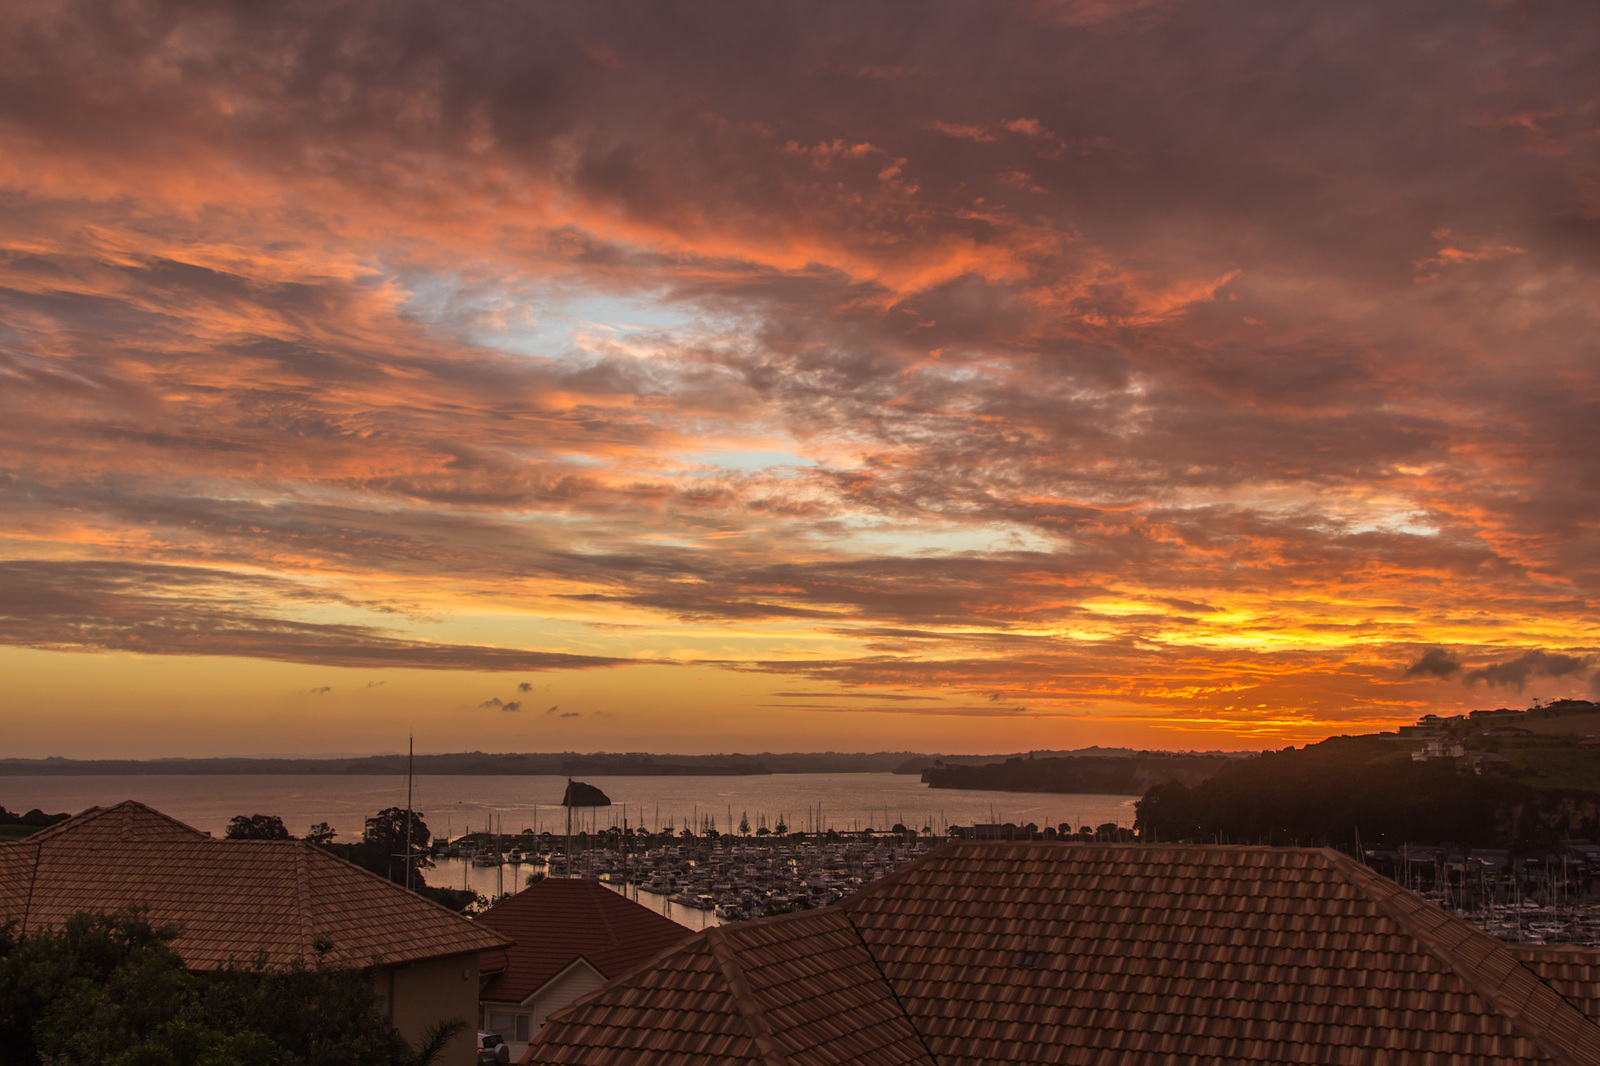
x,y
235,901
114,826
1130,955
558,920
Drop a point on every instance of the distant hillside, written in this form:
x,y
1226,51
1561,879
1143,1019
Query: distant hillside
x,y
1369,786
618,764
918,763
1131,775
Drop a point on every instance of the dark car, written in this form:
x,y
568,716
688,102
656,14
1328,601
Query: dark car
x,y
493,1051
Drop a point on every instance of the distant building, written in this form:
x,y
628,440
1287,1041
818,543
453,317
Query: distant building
x,y
982,954
237,901
1439,749
572,936
1428,730
1484,763
1499,712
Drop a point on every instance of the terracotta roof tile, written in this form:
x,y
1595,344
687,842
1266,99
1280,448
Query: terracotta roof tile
x,y
235,901
677,1012
1573,972
556,920
1012,953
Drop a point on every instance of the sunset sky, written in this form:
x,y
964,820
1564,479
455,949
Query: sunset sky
x,y
792,376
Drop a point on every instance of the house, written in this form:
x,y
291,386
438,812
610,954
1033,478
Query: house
x,y
238,902
1484,762
1419,731
1439,749
1499,712
1107,954
571,936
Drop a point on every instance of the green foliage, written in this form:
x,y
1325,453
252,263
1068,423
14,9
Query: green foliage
x,y
436,1039
110,989
256,827
98,985
460,900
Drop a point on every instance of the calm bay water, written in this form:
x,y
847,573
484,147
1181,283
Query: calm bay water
x,y
454,805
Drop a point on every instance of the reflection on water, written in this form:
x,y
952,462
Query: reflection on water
x,y
490,881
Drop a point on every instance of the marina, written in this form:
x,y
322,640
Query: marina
x,y
811,837
1550,896
698,882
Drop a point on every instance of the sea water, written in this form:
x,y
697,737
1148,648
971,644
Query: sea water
x,y
453,805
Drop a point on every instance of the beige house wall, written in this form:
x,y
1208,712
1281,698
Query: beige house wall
x,y
418,996
565,988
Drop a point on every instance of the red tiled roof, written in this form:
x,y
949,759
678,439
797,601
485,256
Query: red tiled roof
x,y
129,820
556,920
235,901
1574,972
990,953
676,1012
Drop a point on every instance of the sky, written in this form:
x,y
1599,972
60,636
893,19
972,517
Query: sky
x,y
682,377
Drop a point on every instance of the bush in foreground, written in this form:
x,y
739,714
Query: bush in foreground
x,y
109,988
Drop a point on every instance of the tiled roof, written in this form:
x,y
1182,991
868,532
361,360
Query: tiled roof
x,y
991,953
235,901
1574,972
112,826
678,1011
559,919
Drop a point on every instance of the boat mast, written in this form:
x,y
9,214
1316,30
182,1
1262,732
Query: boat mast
x,y
411,758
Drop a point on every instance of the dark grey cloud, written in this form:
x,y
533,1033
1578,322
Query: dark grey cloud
x,y
1435,662
1517,672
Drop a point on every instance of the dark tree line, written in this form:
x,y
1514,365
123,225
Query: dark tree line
x,y
1116,774
1328,793
382,849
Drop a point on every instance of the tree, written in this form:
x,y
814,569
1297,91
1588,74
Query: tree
x,y
744,823
386,833
321,833
109,988
257,827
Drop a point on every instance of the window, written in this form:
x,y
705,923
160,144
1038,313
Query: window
x,y
513,1027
